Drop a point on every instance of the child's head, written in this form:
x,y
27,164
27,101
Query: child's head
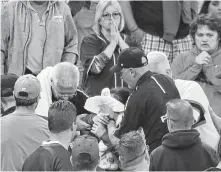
x,y
131,146
120,94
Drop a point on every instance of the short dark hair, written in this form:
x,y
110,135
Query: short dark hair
x,y
84,163
21,102
212,20
204,7
121,94
61,116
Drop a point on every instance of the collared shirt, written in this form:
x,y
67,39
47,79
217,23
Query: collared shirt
x,y
37,41
146,105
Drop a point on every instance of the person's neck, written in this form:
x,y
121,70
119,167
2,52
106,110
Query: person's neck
x,y
8,105
39,3
25,109
105,33
63,138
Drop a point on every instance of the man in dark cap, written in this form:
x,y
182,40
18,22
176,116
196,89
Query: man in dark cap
x,y
147,102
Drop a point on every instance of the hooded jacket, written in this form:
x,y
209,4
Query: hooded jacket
x,y
61,35
183,151
184,67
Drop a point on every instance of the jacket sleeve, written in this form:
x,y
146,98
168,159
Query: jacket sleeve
x,y
93,60
5,32
70,52
179,71
210,72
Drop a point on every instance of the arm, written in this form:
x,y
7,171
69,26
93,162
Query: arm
x,y
5,35
93,60
210,72
70,52
130,21
179,71
111,127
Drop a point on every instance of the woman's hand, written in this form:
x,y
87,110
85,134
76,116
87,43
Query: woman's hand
x,y
203,58
114,39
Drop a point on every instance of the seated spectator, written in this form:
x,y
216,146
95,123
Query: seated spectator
x,y
22,131
207,123
210,6
202,63
7,98
147,102
61,83
85,153
133,153
99,51
35,35
181,149
53,154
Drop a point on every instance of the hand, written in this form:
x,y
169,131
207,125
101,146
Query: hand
x,y
202,58
81,124
106,110
138,35
100,118
98,129
114,34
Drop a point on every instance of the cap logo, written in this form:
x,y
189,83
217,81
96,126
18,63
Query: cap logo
x,y
23,89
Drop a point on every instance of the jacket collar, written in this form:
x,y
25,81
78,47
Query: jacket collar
x,y
143,78
51,2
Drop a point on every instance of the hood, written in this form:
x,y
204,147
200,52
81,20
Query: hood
x,y
51,2
181,139
195,52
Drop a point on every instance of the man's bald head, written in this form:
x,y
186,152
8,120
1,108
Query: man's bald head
x,y
158,63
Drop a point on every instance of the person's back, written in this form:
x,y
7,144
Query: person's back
x,y
48,152
53,154
22,131
21,135
181,149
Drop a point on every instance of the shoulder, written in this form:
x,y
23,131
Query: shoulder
x,y
92,38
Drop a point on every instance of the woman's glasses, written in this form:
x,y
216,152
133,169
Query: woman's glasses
x,y
107,16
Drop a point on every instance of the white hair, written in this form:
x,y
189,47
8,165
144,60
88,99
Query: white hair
x,y
66,74
156,57
101,6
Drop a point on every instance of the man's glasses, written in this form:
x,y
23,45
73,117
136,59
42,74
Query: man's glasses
x,y
107,16
165,118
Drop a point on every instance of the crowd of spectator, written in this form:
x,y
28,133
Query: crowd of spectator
x,y
110,85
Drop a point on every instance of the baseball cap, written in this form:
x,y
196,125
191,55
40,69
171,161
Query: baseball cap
x,y
85,144
132,57
27,87
7,84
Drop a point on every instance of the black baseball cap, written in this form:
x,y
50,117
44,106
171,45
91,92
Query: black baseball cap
x,y
132,57
7,84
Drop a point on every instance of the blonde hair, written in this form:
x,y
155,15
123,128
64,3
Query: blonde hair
x,y
101,6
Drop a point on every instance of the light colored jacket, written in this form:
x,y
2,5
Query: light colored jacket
x,y
191,90
61,35
184,67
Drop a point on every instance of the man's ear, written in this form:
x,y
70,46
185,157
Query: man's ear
x,y
132,72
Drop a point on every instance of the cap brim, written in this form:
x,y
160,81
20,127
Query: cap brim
x,y
115,69
218,76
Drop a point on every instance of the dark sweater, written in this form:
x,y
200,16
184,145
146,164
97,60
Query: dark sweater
x,y
183,151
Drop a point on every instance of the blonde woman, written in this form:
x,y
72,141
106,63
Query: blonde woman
x,y
99,51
